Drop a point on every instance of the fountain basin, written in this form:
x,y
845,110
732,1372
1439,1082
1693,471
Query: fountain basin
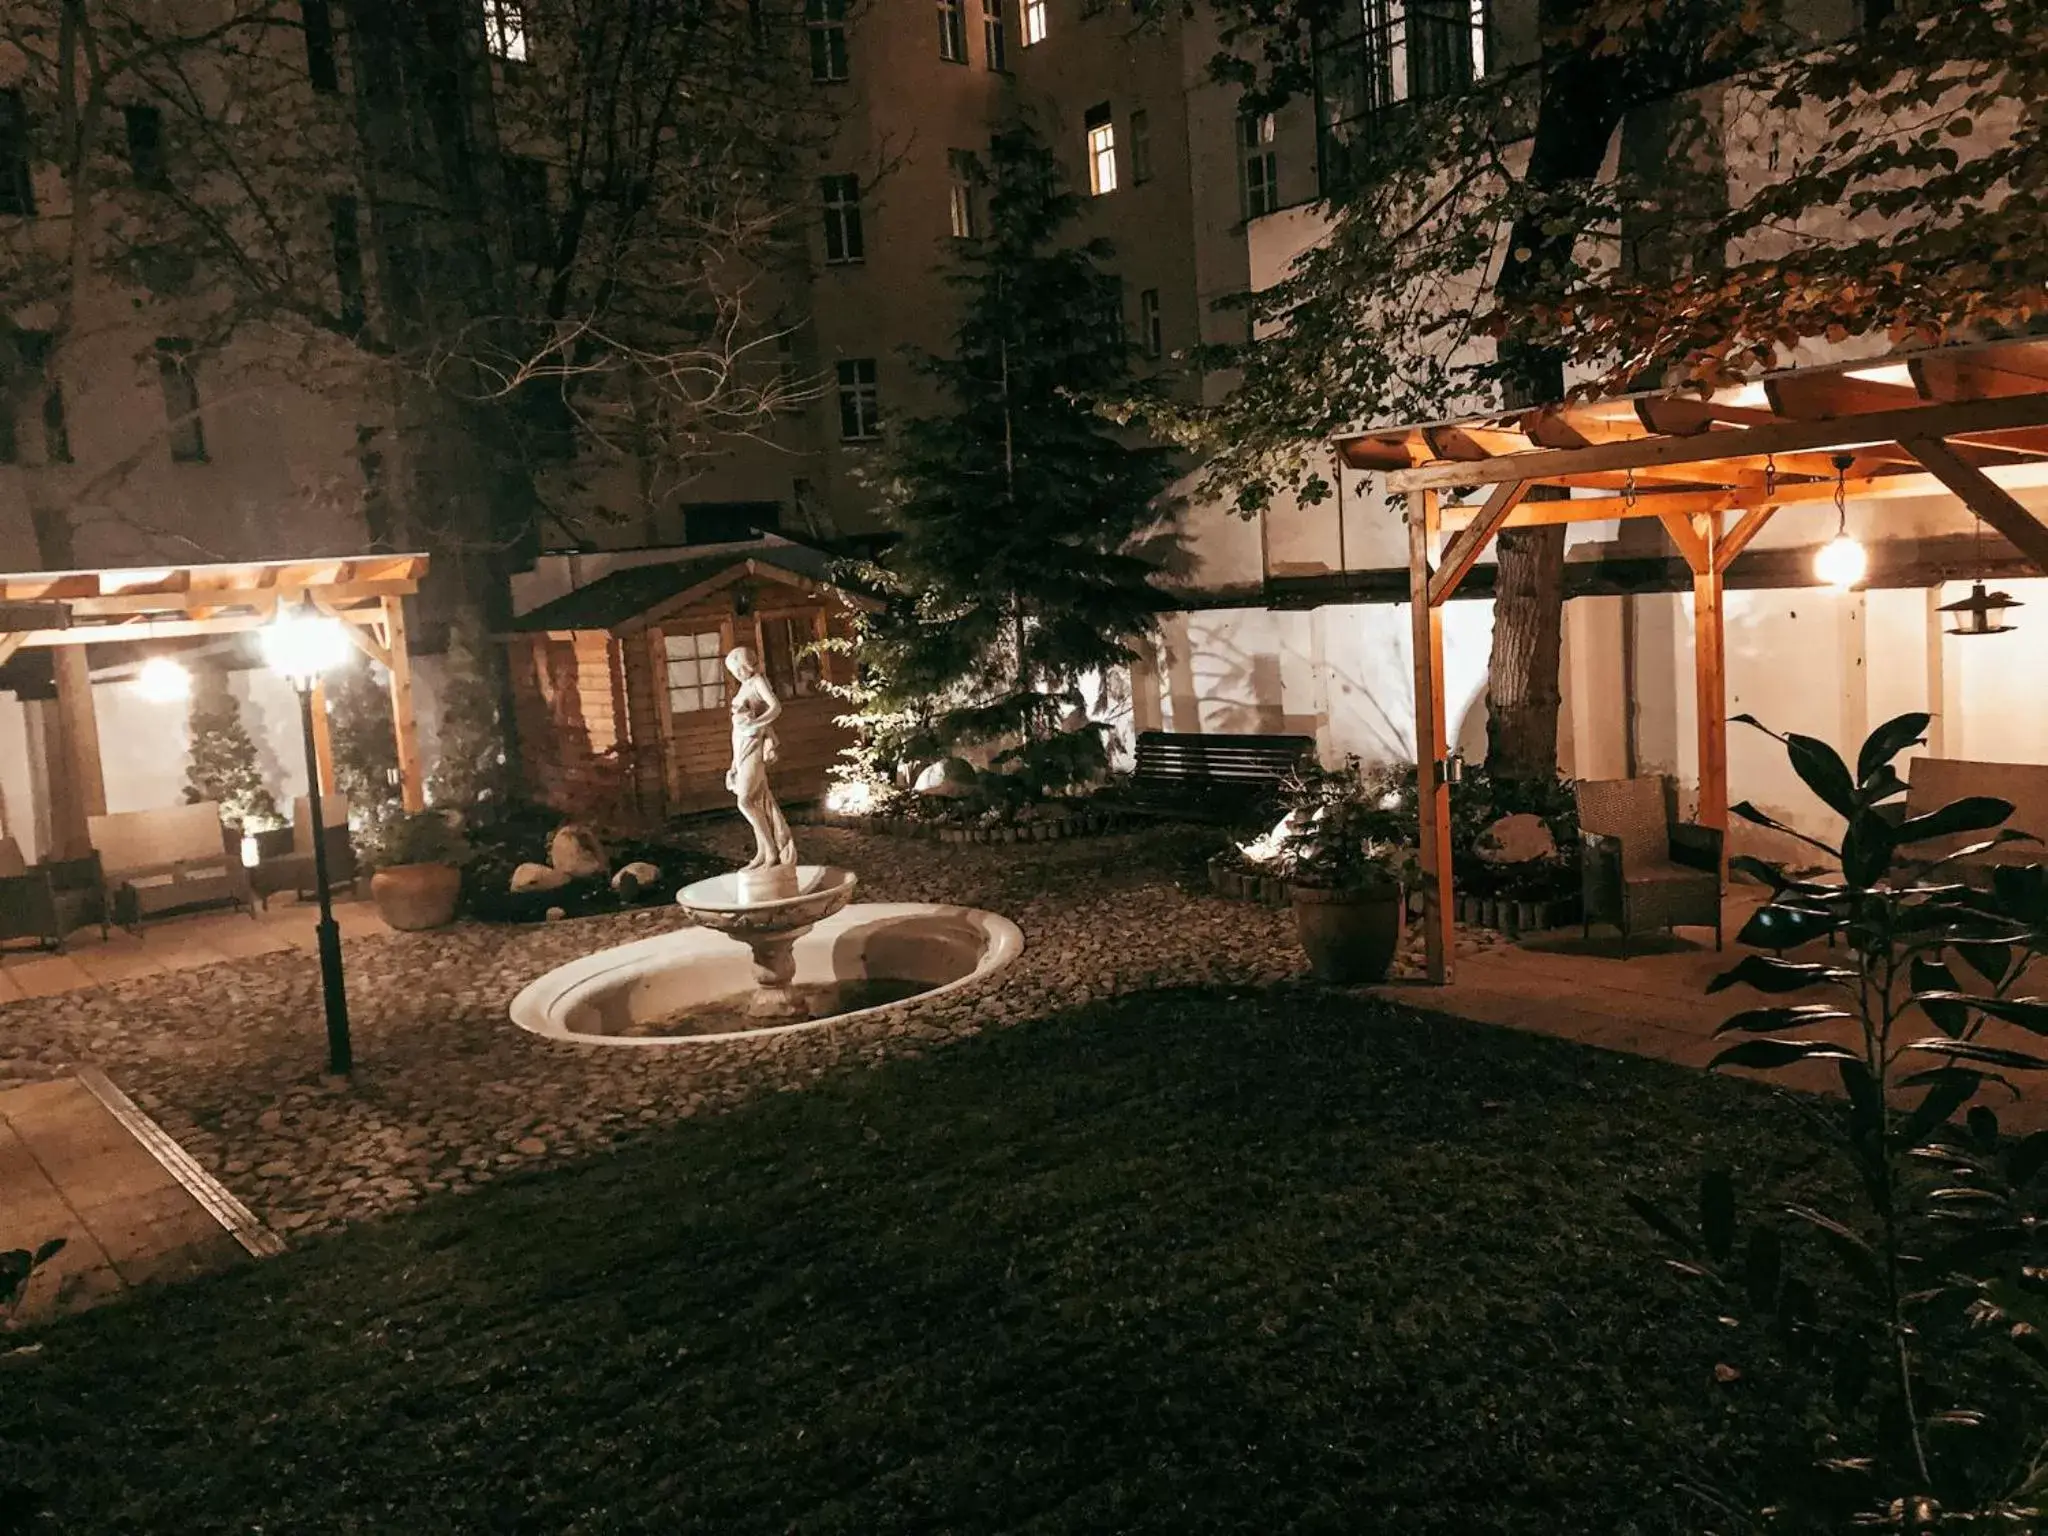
x,y
693,987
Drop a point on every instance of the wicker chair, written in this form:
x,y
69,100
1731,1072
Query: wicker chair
x,y
1640,870
51,900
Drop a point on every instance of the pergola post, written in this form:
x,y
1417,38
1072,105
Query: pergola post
x,y
1433,792
1710,677
78,731
404,729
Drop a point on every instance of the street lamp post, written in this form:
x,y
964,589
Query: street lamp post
x,y
301,644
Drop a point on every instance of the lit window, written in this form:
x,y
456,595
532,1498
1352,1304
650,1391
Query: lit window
x,y
1258,173
1034,22
1101,151
994,38
1141,147
860,400
696,672
960,194
505,29
825,21
952,31
844,242
1151,335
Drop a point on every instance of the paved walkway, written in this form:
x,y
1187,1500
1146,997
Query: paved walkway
x,y
174,944
78,1161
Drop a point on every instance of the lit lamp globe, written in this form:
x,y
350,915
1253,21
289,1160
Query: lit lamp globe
x,y
163,681
301,645
1841,562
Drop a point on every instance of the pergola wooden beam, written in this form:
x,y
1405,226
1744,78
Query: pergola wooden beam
x,y
1473,539
1985,497
1848,432
1432,783
411,780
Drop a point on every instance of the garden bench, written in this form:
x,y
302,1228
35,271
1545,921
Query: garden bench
x,y
169,860
1212,775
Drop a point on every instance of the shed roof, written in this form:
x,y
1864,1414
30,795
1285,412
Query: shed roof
x,y
636,596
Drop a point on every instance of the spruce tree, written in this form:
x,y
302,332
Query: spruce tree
x,y
224,767
470,767
1014,578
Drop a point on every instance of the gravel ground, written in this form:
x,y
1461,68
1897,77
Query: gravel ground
x,y
448,1094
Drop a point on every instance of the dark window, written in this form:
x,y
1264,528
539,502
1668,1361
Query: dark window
x,y
1877,12
348,262
17,186
1113,312
183,429
952,31
533,226
1151,335
860,400
319,24
1141,146
789,653
728,522
146,145
1257,166
961,175
25,376
994,35
1384,53
844,241
825,21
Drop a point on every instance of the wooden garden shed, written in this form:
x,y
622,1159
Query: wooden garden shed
x,y
621,694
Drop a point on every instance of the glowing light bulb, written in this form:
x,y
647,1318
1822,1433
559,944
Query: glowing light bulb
x,y
163,681
1841,562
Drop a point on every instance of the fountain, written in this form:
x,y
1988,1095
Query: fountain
x,y
812,955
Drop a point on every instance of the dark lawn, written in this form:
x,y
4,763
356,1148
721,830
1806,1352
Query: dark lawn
x,y
1188,1262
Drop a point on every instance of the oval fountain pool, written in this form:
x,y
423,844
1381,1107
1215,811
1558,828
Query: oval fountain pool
x,y
692,987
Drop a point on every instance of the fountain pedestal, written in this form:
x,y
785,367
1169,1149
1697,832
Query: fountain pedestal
x,y
768,910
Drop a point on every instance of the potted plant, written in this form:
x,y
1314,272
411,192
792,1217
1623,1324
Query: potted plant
x,y
1346,887
419,871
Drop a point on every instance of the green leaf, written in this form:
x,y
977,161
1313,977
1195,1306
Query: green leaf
x,y
1754,724
1982,1055
2028,1158
1850,1379
48,1251
1950,1090
1821,769
1888,741
1772,875
1717,1214
1767,1055
1668,1226
2028,1013
1855,1252
1785,927
1934,987
1767,974
1750,813
1866,1104
1991,961
1867,849
1972,813
2021,891
1761,1021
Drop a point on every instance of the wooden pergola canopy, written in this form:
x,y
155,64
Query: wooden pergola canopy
x,y
70,610
1971,422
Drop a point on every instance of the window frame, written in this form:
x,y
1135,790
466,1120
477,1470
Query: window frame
x,y
1100,127
33,374
1151,331
706,670
962,211
316,20
825,33
1258,165
1141,146
953,31
1376,62
1037,23
845,235
344,215
995,36
860,388
508,34
184,422
17,164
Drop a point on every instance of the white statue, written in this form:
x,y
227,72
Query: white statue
x,y
754,711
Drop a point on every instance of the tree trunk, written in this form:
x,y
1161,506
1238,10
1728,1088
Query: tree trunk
x,y
1528,627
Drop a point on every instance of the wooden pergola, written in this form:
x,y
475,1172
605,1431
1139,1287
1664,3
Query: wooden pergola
x,y
66,611
1967,422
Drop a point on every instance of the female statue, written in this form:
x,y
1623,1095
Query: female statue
x,y
754,711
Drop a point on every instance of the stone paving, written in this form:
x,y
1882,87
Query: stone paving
x,y
448,1094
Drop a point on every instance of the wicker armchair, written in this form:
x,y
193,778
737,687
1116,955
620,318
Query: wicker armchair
x,y
1640,870
48,902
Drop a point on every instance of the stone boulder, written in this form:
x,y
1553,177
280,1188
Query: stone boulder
x,y
537,877
950,778
577,853
636,877
1519,839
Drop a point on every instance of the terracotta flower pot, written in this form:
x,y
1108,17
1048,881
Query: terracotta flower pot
x,y
410,897
1350,936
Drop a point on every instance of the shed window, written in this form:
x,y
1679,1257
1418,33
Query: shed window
x,y
696,672
794,667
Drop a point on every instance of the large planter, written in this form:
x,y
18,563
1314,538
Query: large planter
x,y
410,897
1350,935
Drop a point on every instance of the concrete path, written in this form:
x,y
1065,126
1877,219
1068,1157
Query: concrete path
x,y
79,1161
